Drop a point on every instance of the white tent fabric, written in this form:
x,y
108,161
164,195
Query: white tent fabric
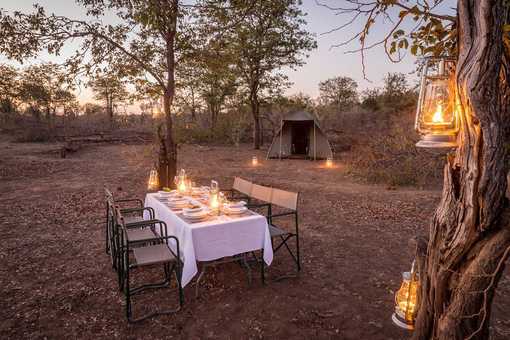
x,y
300,133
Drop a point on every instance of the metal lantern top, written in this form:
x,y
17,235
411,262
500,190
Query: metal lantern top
x,y
437,111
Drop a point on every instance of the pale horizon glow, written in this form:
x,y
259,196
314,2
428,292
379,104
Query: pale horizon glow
x,y
323,63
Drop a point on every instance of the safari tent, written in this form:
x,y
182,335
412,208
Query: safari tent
x,y
300,136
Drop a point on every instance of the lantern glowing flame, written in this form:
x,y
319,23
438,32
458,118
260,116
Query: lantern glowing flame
x,y
214,202
437,112
407,300
182,182
254,161
214,197
438,115
329,162
182,187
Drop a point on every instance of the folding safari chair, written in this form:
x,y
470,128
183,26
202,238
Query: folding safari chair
x,y
150,251
132,215
241,189
288,202
262,196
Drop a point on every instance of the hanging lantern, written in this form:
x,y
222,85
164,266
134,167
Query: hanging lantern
x,y
329,162
407,300
153,183
254,161
437,111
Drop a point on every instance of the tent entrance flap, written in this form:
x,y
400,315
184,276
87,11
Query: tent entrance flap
x,y
300,138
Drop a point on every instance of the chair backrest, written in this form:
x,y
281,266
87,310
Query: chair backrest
x,y
285,199
261,192
242,185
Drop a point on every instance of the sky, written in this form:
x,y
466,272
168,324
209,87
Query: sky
x,y
323,63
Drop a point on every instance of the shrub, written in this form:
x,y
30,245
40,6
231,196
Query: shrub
x,y
391,157
35,134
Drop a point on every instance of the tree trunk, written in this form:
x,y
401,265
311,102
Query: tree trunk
x,y
255,107
109,109
469,238
167,147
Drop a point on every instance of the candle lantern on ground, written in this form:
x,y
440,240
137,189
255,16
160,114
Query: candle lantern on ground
x,y
437,111
407,299
153,183
254,161
329,162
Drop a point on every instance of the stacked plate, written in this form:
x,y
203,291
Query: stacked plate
x,y
177,202
199,191
236,208
195,214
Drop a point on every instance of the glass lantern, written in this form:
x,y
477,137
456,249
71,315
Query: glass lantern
x,y
181,182
329,162
407,300
436,114
254,161
153,183
214,197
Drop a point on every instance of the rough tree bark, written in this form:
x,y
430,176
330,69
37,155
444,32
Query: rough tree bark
x,y
469,238
167,148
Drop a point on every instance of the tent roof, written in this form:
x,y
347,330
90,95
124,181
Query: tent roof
x,y
299,116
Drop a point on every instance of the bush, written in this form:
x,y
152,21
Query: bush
x,y
35,134
391,157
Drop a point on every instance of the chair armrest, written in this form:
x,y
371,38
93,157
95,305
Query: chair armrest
x,y
283,214
145,223
258,205
131,210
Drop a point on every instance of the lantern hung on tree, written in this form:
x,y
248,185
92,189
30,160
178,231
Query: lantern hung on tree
x,y
437,111
407,300
153,183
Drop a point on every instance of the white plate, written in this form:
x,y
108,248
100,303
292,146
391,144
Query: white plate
x,y
177,204
236,205
196,215
192,211
236,211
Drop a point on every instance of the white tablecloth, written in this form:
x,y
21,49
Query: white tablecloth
x,y
213,239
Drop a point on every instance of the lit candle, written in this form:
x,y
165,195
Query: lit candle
x,y
254,161
182,187
329,162
438,115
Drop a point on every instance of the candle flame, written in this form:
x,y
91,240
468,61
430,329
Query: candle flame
x,y
438,115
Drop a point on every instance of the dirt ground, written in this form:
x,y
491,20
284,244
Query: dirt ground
x,y
56,280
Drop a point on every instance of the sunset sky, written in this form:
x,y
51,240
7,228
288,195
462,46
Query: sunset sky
x,y
324,62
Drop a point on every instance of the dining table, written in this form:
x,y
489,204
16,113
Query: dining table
x,y
219,236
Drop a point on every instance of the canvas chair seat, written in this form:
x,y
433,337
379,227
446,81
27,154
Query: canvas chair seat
x,y
139,234
274,231
153,254
132,219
